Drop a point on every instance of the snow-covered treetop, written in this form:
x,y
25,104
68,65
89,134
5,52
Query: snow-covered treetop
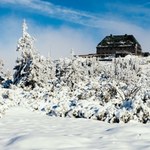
x,y
26,43
1,64
72,54
24,28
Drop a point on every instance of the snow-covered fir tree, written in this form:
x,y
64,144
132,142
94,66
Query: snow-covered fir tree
x,y
1,71
32,69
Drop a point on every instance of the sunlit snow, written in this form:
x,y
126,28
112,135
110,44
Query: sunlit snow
x,y
25,130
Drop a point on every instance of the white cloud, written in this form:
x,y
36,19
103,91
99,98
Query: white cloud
x,y
63,13
16,1
8,40
94,20
142,8
56,41
59,42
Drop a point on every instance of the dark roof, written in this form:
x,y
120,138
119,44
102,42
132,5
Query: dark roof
x,y
118,40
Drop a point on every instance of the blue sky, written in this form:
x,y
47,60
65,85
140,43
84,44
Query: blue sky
x,y
62,25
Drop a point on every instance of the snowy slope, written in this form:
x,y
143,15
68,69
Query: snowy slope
x,y
22,129
86,88
38,106
112,91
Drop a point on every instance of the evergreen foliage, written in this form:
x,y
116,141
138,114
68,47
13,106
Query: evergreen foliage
x,y
31,69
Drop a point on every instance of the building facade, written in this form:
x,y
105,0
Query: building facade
x,y
118,45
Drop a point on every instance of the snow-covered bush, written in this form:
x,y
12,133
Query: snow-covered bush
x,y
7,100
127,69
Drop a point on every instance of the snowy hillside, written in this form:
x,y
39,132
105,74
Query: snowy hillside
x,y
115,91
40,103
80,90
22,129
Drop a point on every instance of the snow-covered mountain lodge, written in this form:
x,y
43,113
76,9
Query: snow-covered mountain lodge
x,y
119,45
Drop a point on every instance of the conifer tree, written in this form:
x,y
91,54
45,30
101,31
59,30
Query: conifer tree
x,y
1,71
32,69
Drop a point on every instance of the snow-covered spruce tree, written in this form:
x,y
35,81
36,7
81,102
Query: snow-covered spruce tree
x,y
31,69
1,71
5,76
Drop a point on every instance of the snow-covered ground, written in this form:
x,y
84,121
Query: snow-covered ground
x,y
41,104
22,129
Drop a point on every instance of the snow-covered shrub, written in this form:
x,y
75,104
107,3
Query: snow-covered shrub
x,y
5,76
7,100
127,69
